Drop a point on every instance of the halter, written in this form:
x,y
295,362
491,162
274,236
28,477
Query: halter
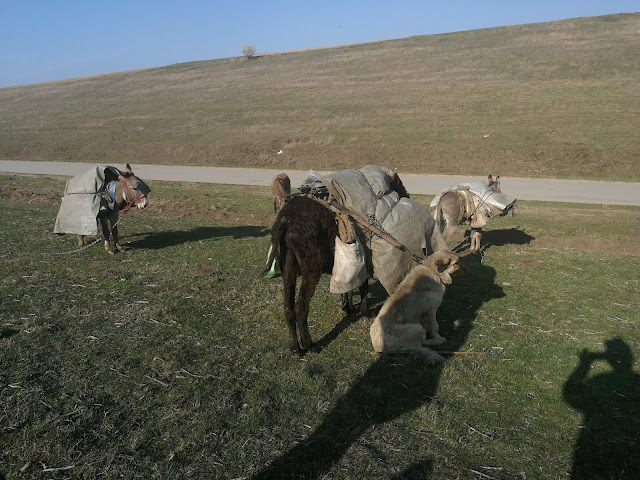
x,y
127,193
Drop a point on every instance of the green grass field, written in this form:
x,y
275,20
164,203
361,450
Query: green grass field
x,y
171,361
557,99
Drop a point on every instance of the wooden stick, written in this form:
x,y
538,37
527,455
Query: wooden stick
x,y
375,230
462,353
440,353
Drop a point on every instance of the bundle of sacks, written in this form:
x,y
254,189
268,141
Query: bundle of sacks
x,y
368,193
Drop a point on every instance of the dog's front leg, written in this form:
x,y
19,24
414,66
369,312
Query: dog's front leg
x,y
430,324
431,358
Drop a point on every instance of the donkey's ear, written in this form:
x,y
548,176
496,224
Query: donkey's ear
x,y
129,171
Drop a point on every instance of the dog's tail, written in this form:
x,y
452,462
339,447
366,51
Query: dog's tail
x,y
441,220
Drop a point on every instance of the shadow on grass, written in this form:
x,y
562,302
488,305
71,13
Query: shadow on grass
x,y
391,387
510,236
158,240
6,333
377,295
495,238
417,471
608,445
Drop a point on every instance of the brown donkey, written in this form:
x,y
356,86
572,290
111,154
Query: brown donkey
x,y
280,188
303,244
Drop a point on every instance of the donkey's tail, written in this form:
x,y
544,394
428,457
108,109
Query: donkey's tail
x,y
441,220
277,233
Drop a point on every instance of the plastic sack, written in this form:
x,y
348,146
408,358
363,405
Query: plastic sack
x,y
349,267
273,271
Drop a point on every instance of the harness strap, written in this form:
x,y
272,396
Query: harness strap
x,y
127,193
373,226
109,194
470,204
466,207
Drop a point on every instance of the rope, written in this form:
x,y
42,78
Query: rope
x,y
345,228
482,201
374,226
84,247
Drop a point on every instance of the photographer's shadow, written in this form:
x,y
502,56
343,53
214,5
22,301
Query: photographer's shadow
x,y
609,442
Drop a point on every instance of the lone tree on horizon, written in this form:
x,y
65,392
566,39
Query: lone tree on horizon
x,y
249,51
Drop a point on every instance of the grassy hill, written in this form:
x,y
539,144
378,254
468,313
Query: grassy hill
x,y
558,99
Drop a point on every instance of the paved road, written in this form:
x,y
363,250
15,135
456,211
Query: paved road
x,y
579,191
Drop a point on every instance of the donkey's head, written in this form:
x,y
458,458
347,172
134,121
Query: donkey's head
x,y
132,190
494,185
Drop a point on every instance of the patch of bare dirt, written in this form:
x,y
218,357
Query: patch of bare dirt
x,y
207,212
493,238
156,207
609,245
18,194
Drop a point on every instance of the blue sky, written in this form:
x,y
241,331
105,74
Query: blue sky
x,y
56,39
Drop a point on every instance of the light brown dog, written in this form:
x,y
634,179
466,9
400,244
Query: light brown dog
x,y
407,321
280,188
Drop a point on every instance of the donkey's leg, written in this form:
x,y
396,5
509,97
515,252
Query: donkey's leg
x,y
346,302
113,219
105,232
289,276
81,241
476,236
308,283
346,299
364,292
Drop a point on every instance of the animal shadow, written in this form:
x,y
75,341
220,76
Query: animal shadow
x,y
389,388
511,236
609,440
496,238
158,240
377,296
418,471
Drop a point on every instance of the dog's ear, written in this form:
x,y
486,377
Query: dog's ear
x,y
443,259
445,277
442,263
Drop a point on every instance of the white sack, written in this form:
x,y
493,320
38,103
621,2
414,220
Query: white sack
x,y
349,267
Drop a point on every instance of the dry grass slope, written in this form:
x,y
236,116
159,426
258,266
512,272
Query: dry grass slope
x,y
556,99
